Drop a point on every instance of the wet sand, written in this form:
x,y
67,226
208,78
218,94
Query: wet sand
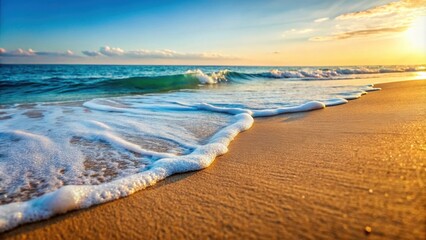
x,y
353,171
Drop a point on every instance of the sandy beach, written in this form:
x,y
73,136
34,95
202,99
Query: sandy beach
x,y
352,171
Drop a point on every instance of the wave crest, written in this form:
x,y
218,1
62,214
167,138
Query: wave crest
x,y
211,78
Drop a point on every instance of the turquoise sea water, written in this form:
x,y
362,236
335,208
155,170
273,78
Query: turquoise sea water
x,y
36,83
72,136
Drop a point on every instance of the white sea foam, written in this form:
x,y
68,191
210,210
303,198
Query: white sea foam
x,y
60,157
73,197
314,74
209,107
335,102
212,78
338,73
120,142
309,106
313,105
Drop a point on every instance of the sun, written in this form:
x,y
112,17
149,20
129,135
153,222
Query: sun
x,y
416,34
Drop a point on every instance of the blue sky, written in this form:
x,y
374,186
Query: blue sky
x,y
167,32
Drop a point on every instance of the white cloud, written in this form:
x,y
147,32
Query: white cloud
x,y
92,53
383,20
110,51
107,51
68,53
402,7
115,52
321,19
29,53
16,53
359,33
295,32
303,31
142,53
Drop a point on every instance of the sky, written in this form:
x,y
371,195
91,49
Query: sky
x,y
220,32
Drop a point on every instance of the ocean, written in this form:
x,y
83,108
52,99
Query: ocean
x,y
72,136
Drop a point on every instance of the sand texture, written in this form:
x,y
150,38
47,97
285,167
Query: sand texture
x,y
333,173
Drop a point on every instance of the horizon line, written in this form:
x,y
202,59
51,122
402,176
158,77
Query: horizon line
x,y
211,65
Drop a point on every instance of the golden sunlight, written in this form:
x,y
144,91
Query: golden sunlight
x,y
420,76
416,34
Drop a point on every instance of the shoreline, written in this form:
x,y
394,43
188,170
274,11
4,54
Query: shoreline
x,y
285,178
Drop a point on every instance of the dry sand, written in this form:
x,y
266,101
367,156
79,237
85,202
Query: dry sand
x,y
332,173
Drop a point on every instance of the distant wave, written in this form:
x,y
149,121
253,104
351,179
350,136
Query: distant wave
x,y
190,77
334,73
97,85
